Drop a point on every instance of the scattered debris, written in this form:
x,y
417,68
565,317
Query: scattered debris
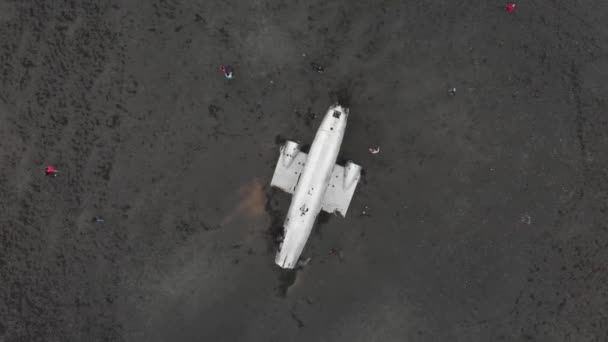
x,y
527,219
98,219
50,171
510,7
373,150
317,67
365,211
228,71
302,263
452,91
299,321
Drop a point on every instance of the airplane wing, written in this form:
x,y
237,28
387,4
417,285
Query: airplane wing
x,y
289,167
342,185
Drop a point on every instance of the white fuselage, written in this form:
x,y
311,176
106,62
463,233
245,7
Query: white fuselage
x,y
310,190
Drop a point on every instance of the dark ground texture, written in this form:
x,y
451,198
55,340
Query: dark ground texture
x,y
487,211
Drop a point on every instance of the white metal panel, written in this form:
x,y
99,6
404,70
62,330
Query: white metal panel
x,y
342,185
288,172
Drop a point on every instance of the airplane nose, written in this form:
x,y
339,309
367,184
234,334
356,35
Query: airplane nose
x,y
337,111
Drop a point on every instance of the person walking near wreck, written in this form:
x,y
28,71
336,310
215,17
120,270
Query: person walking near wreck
x,y
228,71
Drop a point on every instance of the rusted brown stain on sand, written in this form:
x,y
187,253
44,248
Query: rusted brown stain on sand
x,y
252,202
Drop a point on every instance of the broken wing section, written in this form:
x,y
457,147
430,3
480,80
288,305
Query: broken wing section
x,y
341,187
289,167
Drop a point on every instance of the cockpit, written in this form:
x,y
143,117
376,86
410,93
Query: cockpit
x,y
335,119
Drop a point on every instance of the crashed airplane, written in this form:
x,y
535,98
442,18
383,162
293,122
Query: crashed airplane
x,y
315,182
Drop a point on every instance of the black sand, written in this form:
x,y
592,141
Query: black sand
x,y
485,212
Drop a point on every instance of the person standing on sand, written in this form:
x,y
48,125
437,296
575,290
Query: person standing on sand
x,y
228,71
